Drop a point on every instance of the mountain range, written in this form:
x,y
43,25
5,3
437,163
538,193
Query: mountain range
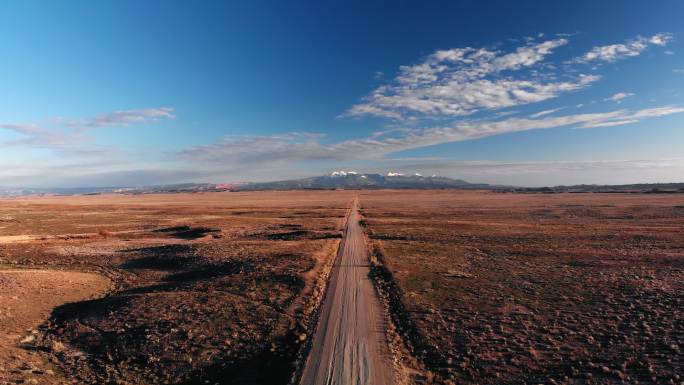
x,y
346,180
354,180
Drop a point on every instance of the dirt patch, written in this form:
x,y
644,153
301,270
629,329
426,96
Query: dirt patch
x,y
15,238
27,297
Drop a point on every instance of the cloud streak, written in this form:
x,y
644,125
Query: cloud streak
x,y
25,129
545,112
634,47
619,97
126,118
69,134
296,147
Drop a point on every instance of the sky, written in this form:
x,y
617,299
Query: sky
x,y
527,93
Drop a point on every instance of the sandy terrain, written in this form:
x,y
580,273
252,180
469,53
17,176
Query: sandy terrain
x,y
27,297
350,345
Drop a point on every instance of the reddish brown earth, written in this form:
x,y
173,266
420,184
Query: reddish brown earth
x,y
207,288
482,288
26,299
495,288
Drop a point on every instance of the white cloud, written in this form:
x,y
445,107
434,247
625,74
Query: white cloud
x,y
619,97
661,39
545,112
655,112
609,123
527,55
26,129
634,47
259,149
296,147
68,134
126,117
625,117
37,136
461,81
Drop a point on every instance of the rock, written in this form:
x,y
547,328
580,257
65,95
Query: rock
x,y
28,340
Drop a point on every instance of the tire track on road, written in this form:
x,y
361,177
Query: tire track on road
x,y
349,346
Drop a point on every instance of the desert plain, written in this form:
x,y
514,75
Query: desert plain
x,y
477,287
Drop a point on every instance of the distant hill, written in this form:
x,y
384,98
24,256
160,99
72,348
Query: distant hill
x,y
660,188
170,188
347,180
354,180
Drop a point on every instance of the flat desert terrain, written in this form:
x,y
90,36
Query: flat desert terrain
x,y
493,288
188,288
460,287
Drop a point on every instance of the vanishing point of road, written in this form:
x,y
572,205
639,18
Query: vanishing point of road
x,y
349,346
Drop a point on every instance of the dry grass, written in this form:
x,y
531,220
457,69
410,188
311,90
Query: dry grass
x,y
564,288
501,288
208,286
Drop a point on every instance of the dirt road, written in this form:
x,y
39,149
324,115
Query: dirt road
x,y
349,346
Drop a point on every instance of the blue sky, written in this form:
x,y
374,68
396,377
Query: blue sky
x,y
525,93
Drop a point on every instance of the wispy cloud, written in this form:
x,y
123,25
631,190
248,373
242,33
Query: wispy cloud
x,y
625,117
67,135
429,103
634,47
545,112
461,81
619,97
295,147
458,82
37,136
125,118
26,129
610,123
260,149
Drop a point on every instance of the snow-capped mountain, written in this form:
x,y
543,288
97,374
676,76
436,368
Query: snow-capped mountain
x,y
343,173
356,180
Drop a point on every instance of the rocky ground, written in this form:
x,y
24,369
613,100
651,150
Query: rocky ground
x,y
553,289
27,297
206,288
